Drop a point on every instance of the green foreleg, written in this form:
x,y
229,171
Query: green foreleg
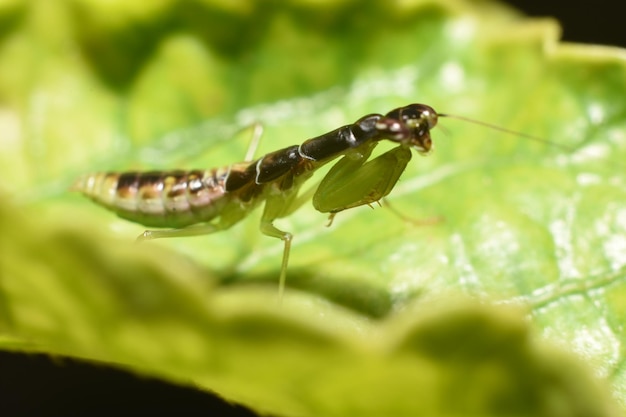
x,y
353,182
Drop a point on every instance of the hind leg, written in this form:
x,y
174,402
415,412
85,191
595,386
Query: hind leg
x,y
204,229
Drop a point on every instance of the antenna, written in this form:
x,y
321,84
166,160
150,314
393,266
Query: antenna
x,y
504,130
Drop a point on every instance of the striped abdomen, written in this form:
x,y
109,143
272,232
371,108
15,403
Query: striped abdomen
x,y
159,198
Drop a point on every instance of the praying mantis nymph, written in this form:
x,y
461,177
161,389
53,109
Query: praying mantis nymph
x,y
200,202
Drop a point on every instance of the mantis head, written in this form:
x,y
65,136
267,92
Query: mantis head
x,y
410,126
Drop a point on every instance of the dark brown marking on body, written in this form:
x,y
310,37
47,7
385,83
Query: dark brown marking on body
x,y
276,164
150,178
237,178
127,184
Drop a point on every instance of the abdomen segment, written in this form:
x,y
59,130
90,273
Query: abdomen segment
x,y
158,198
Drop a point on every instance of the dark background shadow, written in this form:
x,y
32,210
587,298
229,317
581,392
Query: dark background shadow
x,y
42,386
599,21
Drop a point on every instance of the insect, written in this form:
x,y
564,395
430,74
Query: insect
x,y
200,202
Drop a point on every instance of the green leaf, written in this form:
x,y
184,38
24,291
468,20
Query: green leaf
x,y
384,313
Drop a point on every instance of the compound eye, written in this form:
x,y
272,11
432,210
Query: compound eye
x,y
430,118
